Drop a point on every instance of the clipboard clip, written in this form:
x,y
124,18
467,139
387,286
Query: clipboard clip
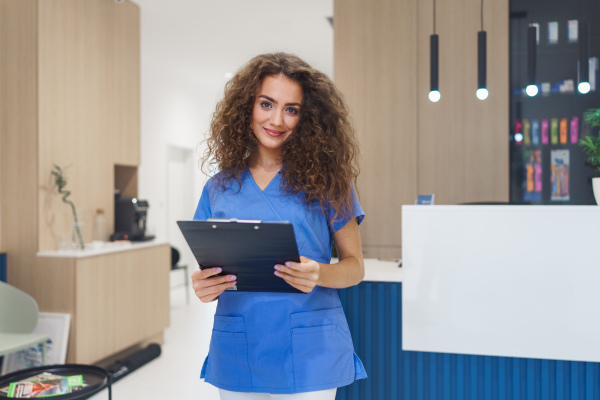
x,y
241,221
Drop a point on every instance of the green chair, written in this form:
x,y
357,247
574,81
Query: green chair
x,y
18,317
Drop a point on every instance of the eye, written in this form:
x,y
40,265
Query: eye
x,y
292,110
265,104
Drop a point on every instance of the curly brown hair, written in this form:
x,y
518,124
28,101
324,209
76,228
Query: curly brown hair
x,y
320,159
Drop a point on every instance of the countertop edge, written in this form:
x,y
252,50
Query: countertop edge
x,y
109,249
377,270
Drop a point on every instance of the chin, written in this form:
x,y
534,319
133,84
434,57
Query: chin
x,y
273,143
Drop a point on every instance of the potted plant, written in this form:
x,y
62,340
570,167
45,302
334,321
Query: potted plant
x,y
591,147
60,181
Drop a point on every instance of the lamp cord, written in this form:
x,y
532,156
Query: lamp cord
x,y
434,17
481,14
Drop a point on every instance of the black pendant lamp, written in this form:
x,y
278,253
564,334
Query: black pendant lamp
x,y
532,88
482,92
584,58
434,89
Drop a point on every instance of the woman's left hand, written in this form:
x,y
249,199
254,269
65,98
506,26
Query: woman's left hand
x,y
303,275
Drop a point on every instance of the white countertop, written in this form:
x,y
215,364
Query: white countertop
x,y
377,270
100,248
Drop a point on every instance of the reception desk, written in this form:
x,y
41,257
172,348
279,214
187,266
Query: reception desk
x,y
473,363
516,281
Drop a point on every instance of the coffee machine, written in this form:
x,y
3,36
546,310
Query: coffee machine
x,y
130,219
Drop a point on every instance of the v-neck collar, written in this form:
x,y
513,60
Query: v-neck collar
x,y
256,184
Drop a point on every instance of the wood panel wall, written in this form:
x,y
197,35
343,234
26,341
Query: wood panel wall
x,y
374,45
18,129
456,148
463,141
89,107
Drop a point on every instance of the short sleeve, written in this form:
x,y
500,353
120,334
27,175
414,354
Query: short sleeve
x,y
341,220
203,210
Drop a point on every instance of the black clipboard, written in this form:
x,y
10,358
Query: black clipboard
x,y
246,248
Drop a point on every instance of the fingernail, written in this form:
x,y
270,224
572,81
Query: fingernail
x,y
288,263
232,284
219,270
277,273
232,277
278,267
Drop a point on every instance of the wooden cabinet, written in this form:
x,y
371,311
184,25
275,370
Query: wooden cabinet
x,y
120,300
94,312
456,148
116,299
142,305
70,95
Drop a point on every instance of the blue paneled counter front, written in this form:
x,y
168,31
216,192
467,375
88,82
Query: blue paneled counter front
x,y
374,312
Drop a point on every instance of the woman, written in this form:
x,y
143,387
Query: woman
x,y
285,150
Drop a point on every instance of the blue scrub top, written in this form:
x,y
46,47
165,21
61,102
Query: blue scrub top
x,y
279,342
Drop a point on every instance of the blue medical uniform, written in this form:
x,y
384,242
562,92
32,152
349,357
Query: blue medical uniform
x,y
279,342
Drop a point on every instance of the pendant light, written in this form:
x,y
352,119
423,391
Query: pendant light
x,y
482,92
532,88
434,89
584,56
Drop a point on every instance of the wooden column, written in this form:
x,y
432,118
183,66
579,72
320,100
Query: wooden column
x,y
456,148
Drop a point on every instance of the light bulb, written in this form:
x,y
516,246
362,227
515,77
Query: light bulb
x,y
482,93
434,96
584,87
532,90
518,137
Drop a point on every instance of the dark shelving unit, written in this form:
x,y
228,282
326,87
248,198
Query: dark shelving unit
x,y
556,62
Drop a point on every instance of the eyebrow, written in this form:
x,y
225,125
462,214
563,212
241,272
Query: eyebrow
x,y
274,101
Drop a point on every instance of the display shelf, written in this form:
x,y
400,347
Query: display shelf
x,y
567,95
550,173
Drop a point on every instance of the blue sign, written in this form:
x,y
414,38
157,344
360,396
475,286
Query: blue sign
x,y
3,267
425,199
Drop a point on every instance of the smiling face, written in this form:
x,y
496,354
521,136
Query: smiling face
x,y
276,113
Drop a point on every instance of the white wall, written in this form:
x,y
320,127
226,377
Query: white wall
x,y
187,48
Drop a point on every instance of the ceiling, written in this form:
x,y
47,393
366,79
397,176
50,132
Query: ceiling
x,y
203,40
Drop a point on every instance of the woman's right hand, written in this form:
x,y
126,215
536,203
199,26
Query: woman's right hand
x,y
208,287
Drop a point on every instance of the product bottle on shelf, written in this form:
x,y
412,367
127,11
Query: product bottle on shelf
x,y
563,131
544,131
554,131
535,132
575,130
100,226
526,132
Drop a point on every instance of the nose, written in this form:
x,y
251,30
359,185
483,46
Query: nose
x,y
277,117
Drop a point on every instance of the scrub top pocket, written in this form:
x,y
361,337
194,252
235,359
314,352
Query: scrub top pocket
x,y
321,352
228,361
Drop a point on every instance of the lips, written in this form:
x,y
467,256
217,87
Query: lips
x,y
273,133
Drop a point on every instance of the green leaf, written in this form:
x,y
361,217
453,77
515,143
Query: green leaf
x,y
592,117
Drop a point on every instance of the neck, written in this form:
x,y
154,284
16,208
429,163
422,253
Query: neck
x,y
268,159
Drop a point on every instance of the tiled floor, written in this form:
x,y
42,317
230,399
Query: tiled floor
x,y
175,374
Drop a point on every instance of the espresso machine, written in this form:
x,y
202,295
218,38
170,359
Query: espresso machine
x,y
130,219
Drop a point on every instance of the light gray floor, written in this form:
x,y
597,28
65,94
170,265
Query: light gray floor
x,y
175,374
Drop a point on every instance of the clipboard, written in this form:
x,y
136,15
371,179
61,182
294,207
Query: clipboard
x,y
246,248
